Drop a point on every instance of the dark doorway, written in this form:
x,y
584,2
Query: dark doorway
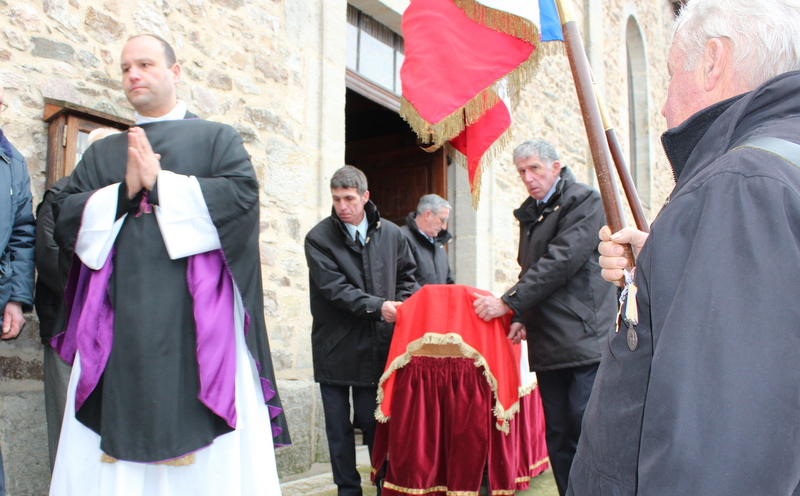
x,y
380,143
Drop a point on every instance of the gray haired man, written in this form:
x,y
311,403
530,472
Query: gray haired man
x,y
426,232
708,402
561,301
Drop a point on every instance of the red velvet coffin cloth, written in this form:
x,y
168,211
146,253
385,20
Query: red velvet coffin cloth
x,y
450,401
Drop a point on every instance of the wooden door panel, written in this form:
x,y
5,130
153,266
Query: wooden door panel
x,y
398,178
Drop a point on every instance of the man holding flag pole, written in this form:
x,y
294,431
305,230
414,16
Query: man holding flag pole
x,y
706,400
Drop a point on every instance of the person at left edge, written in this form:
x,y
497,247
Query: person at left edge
x,y
16,239
172,388
360,269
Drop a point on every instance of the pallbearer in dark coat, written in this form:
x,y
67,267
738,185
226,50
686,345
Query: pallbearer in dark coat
x,y
172,390
561,301
360,268
426,232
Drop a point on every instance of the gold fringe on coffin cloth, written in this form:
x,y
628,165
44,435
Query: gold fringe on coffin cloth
x,y
504,22
533,467
183,461
443,489
504,415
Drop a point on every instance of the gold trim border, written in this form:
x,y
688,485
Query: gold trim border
x,y
503,415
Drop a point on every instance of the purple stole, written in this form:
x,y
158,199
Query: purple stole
x,y
90,330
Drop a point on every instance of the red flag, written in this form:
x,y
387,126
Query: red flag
x,y
476,140
458,55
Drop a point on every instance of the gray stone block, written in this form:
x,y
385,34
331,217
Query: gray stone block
x,y
23,430
299,403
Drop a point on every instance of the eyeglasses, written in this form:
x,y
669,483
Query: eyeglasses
x,y
444,221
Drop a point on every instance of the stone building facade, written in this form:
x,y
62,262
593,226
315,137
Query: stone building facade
x,y
277,70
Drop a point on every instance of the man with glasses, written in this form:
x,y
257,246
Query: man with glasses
x,y
16,239
426,232
561,300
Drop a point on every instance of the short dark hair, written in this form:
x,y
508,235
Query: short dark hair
x,y
349,177
169,53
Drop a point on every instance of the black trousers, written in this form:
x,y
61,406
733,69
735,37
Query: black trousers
x,y
565,393
339,428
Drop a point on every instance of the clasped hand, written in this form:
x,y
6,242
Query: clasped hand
x,y
143,164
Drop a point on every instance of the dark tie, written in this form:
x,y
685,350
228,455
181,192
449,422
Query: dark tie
x,y
358,240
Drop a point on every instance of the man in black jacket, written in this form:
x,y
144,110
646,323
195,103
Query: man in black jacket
x,y
561,301
707,400
426,232
360,269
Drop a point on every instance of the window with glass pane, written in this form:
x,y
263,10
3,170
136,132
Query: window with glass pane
x,y
373,50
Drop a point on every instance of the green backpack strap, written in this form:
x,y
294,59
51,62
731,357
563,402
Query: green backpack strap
x,y
782,148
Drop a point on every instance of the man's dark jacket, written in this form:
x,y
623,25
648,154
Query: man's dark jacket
x,y
51,267
709,402
348,284
565,304
433,267
16,229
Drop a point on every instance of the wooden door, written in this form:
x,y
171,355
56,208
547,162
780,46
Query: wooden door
x,y
398,178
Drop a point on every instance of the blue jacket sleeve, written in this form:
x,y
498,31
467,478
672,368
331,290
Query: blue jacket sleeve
x,y
20,244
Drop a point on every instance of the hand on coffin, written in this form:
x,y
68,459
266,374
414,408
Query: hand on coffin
x,y
488,307
518,332
389,310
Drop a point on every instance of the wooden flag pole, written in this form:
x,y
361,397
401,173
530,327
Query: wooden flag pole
x,y
592,120
622,169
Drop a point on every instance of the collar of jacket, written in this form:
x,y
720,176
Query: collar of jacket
x,y
529,211
679,142
373,219
443,237
713,131
6,151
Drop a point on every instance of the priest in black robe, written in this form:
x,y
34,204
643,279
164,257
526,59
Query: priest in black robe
x,y
173,390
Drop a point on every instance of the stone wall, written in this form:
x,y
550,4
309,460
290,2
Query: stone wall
x,y
274,69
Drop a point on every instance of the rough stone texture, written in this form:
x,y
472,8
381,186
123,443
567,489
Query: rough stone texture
x,y
267,120
25,16
301,399
24,441
15,368
15,39
229,4
204,99
87,60
271,69
49,49
56,9
148,19
103,27
220,80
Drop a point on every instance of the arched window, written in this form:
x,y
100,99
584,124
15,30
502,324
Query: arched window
x,y
638,112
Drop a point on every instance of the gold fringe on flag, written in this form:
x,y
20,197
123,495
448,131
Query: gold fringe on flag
x,y
491,154
504,22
